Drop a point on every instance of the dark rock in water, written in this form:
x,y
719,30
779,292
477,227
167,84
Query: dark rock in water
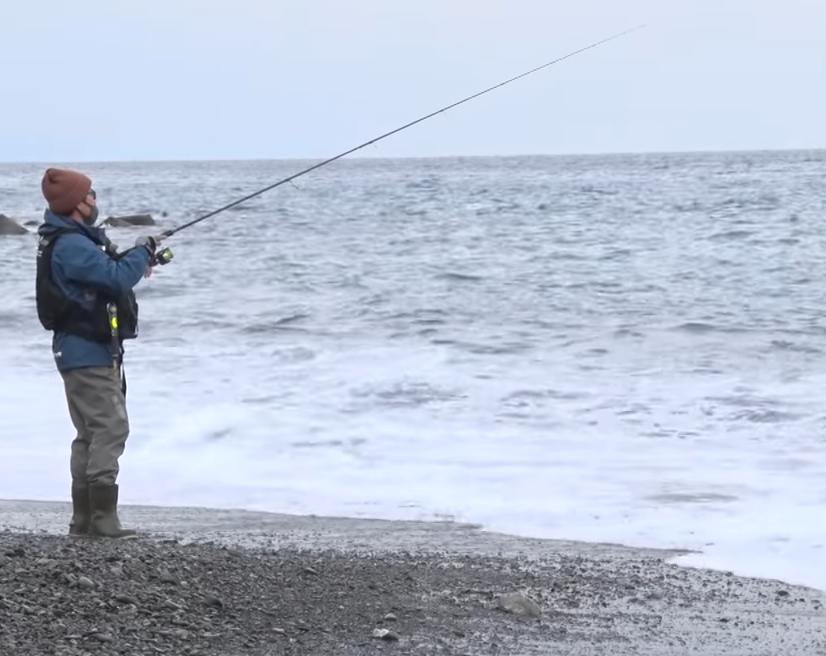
x,y
130,221
11,227
32,223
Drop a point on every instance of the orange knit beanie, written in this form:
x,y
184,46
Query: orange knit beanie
x,y
64,190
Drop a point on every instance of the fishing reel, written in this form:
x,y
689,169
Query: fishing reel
x,y
162,257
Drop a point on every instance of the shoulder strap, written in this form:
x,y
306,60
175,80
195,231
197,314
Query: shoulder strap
x,y
48,242
50,239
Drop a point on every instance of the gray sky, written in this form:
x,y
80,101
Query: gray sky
x,y
229,79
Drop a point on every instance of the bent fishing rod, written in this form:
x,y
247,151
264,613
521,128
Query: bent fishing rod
x,y
173,231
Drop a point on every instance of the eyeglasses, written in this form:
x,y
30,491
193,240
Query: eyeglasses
x,y
93,194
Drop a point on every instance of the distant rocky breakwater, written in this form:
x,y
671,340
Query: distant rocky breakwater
x,y
11,227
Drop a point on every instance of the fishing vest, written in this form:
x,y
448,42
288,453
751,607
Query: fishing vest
x,y
111,319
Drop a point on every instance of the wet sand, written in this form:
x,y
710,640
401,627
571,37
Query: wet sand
x,y
235,583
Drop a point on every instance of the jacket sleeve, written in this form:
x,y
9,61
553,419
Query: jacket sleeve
x,y
86,264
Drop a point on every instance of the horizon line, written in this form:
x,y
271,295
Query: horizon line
x,y
418,157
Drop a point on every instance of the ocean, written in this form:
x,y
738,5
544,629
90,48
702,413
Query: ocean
x,y
624,348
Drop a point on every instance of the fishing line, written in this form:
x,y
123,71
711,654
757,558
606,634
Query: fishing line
x,y
173,231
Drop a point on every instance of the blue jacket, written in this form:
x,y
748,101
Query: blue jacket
x,y
79,268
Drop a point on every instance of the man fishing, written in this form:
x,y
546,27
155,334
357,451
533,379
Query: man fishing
x,y
85,296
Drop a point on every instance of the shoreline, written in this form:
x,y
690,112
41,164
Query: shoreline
x,y
254,529
442,581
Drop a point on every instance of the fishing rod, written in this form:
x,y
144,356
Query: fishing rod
x,y
173,231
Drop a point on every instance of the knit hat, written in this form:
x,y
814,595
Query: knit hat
x,y
64,189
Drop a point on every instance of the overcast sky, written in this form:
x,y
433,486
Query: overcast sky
x,y
229,79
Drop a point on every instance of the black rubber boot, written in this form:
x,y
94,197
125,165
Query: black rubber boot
x,y
104,505
81,513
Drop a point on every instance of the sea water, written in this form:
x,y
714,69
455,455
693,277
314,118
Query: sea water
x,y
616,348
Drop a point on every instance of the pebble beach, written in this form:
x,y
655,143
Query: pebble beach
x,y
204,582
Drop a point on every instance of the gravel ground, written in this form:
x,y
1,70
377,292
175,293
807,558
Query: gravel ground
x,y
232,583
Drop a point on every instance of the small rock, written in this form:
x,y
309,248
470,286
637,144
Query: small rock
x,y
385,634
390,617
104,637
519,604
213,601
85,583
167,577
782,593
